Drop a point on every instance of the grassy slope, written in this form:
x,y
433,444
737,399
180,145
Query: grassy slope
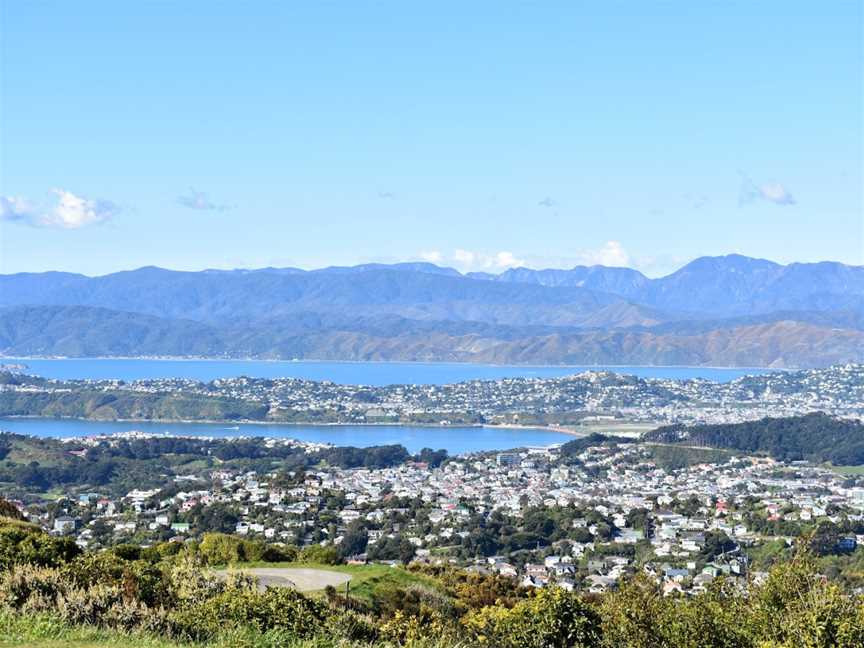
x,y
852,471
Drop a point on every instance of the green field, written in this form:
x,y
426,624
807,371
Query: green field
x,y
853,471
622,429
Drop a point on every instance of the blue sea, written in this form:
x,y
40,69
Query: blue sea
x,y
349,373
456,440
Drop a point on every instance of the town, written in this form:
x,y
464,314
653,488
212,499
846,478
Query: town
x,y
586,399
582,516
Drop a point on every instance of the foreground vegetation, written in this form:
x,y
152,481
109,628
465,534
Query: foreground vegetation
x,y
163,596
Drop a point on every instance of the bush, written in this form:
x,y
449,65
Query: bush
x,y
353,626
22,583
553,617
275,608
23,543
87,606
320,555
407,629
222,549
132,615
797,607
189,584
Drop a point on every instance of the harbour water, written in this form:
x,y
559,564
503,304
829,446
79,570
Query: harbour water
x,y
456,440
355,373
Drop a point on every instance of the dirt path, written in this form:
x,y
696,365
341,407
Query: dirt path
x,y
300,578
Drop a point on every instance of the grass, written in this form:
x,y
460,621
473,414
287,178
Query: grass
x,y
365,579
26,450
632,430
852,471
46,631
675,457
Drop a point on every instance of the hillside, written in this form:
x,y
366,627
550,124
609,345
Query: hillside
x,y
80,331
731,311
816,437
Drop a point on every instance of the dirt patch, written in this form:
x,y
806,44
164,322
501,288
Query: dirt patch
x,y
300,578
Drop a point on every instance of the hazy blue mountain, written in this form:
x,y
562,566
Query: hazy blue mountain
x,y
82,331
429,268
714,310
738,285
617,281
729,285
713,284
246,297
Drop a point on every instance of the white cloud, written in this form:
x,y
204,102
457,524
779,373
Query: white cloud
x,y
15,210
432,256
611,253
469,261
72,212
464,258
506,259
771,191
776,193
69,212
199,200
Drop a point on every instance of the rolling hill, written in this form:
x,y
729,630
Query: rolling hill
x,y
730,310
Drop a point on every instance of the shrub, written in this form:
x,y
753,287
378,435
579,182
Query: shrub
x,y
222,549
408,629
279,553
22,583
353,626
553,617
23,543
87,606
128,615
94,567
275,608
189,584
319,554
797,607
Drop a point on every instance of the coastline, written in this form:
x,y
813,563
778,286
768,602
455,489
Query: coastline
x,y
295,361
431,426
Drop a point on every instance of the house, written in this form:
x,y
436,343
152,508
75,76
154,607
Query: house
x,y
675,574
505,569
536,571
64,524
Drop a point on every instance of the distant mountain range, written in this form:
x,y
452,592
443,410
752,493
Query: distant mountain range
x,y
730,310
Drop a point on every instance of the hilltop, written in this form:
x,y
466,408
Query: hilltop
x,y
731,311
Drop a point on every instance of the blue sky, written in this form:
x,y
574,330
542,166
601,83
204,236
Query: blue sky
x,y
479,135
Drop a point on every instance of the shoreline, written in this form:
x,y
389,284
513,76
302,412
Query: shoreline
x,y
587,367
231,424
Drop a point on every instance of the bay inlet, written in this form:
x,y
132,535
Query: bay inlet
x,y
454,439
